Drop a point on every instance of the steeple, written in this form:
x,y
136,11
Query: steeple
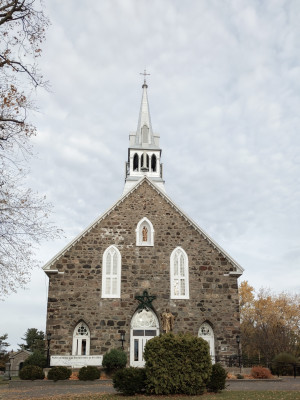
x,y
144,152
144,133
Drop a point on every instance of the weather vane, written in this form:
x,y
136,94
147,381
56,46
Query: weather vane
x,y
145,74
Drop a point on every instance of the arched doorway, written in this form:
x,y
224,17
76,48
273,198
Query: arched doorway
x,y
144,326
206,332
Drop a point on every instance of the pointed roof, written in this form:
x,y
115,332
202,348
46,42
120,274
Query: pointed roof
x,y
144,115
238,272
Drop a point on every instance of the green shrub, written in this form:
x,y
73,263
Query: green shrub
x,y
177,364
283,364
59,373
217,379
113,360
239,376
31,372
130,381
259,372
89,373
36,358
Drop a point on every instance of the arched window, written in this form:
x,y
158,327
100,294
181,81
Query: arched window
x,y
206,332
179,274
81,340
153,163
145,134
135,162
144,233
111,273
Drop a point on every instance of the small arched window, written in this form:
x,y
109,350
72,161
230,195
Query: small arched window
x,y
144,233
81,340
153,163
179,274
111,273
135,162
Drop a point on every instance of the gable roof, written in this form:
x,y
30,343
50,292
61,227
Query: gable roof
x,y
47,267
14,354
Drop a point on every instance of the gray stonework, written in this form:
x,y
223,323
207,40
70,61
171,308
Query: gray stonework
x,y
16,360
76,295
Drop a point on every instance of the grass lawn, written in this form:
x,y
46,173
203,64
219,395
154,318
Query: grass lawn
x,y
262,395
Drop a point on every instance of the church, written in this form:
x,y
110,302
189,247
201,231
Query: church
x,y
141,269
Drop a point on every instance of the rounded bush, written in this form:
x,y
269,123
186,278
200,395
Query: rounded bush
x,y
59,373
259,372
177,364
89,373
31,372
113,360
36,358
130,381
218,378
283,364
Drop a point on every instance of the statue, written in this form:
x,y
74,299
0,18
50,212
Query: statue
x,y
167,321
145,234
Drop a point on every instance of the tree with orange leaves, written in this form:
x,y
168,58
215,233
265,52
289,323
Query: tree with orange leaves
x,y
270,322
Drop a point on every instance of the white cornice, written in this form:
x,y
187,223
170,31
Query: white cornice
x,y
239,269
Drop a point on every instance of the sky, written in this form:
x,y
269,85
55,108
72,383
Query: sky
x,y
224,95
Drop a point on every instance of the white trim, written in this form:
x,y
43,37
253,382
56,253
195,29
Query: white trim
x,y
111,249
144,222
173,277
78,339
239,270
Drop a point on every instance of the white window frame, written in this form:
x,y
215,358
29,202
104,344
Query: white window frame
x,y
78,338
173,277
117,295
139,234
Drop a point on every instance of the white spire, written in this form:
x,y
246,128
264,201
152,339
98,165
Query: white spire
x,y
144,153
144,123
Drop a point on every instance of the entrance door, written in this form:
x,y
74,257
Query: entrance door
x,y
207,333
144,326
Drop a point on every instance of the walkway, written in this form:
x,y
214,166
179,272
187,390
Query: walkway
x,y
38,390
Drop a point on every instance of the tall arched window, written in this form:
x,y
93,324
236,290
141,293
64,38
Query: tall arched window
x,y
153,163
144,233
111,273
179,274
206,332
81,340
135,162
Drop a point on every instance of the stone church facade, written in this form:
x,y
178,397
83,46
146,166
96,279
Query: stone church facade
x,y
142,257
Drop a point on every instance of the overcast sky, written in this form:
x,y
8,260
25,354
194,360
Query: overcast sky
x,y
224,94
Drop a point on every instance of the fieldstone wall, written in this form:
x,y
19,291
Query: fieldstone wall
x,y
76,295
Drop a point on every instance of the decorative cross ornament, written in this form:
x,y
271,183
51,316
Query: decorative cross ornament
x,y
145,300
145,74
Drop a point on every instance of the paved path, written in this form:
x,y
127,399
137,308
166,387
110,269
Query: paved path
x,y
285,383
36,390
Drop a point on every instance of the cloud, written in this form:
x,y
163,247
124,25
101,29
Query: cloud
x,y
224,96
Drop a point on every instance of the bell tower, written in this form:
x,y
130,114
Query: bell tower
x,y
144,153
